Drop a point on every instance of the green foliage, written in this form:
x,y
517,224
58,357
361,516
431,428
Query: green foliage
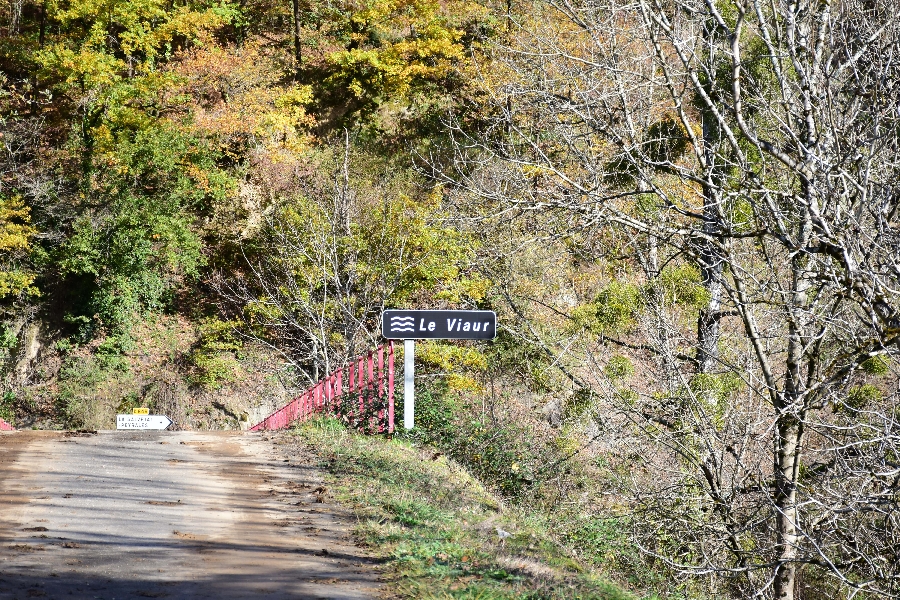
x,y
400,52
215,354
525,361
667,140
859,397
8,406
92,387
603,541
140,243
617,306
681,285
8,339
741,216
128,403
614,310
578,403
500,453
619,368
647,204
101,47
715,387
63,345
457,363
877,365
319,272
397,249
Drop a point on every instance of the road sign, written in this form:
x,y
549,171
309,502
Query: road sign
x,y
142,421
411,325
439,324
140,411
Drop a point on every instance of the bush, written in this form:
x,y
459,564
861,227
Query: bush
x,y
214,355
614,310
617,306
501,455
619,368
92,388
877,365
716,387
681,285
862,396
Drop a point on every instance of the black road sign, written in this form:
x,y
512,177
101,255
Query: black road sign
x,y
439,324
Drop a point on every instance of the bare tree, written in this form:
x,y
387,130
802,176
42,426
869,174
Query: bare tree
x,y
303,292
758,141
328,258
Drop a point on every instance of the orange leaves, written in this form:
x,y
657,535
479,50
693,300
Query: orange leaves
x,y
237,97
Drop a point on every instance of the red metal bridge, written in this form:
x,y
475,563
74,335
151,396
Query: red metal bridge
x,y
360,394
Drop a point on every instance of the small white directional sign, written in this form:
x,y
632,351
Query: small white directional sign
x,y
142,421
439,324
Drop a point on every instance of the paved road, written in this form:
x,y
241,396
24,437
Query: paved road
x,y
119,515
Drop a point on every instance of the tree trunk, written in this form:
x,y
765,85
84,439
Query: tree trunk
x,y
43,26
711,278
789,423
787,445
298,48
710,259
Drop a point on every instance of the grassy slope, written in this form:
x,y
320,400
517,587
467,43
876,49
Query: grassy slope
x,y
434,524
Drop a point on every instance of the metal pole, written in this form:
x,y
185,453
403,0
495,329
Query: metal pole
x,y
409,390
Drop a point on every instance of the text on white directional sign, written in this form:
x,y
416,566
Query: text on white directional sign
x,y
142,421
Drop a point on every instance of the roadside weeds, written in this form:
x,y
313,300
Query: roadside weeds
x,y
440,533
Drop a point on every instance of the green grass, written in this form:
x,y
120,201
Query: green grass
x,y
434,525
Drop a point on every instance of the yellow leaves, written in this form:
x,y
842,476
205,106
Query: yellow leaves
x,y
536,171
399,44
15,282
84,67
15,240
295,97
193,25
15,225
139,26
391,70
449,357
97,43
457,362
200,177
261,310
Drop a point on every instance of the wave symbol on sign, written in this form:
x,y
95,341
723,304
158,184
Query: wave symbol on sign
x,y
401,324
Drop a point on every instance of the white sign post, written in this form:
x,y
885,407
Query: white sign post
x,y
409,390
142,421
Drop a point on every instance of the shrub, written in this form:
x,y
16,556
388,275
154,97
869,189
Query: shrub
x,y
877,365
619,368
681,285
862,396
614,309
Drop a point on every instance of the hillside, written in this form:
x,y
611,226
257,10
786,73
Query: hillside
x,y
439,530
684,214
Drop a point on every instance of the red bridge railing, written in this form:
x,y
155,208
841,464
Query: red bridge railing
x,y
361,394
4,426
